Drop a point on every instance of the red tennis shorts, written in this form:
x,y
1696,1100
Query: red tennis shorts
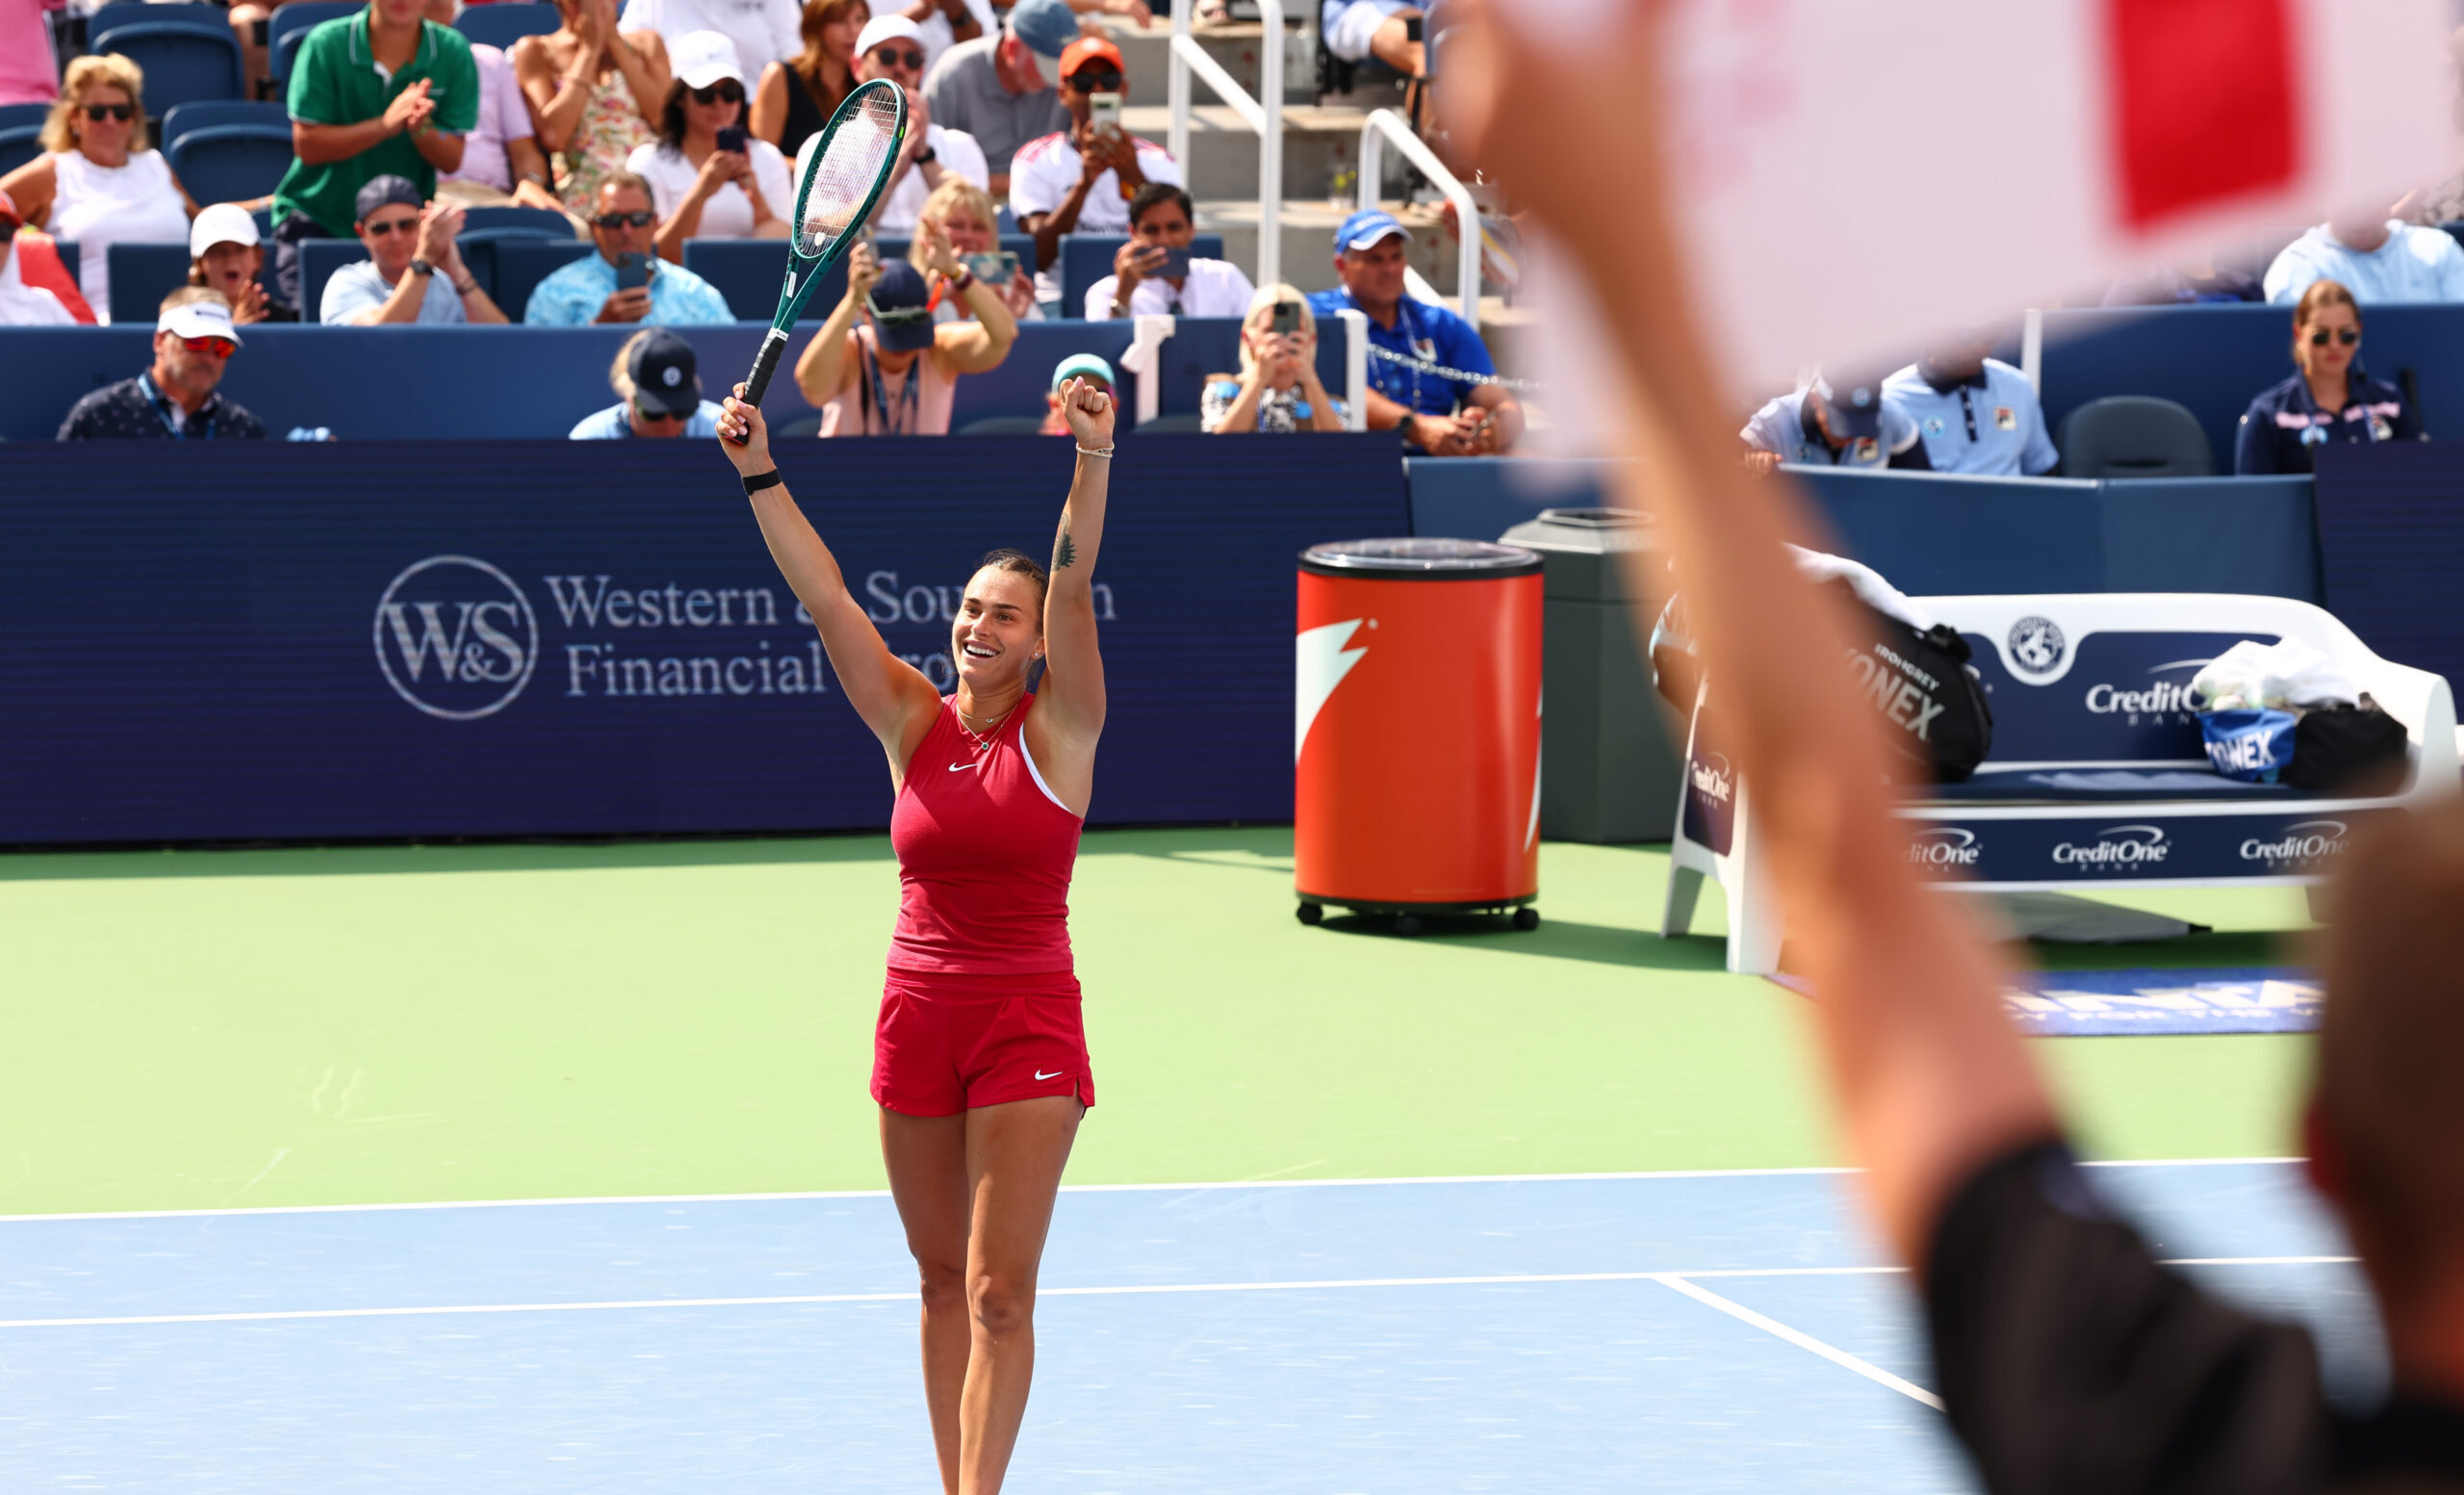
x,y
947,1044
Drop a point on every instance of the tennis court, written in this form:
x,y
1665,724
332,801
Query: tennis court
x,y
1475,1212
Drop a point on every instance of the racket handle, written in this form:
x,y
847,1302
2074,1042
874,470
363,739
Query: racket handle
x,y
766,363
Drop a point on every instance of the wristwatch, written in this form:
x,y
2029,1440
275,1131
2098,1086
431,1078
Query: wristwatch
x,y
421,268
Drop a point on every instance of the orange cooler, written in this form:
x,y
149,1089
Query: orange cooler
x,y
1416,730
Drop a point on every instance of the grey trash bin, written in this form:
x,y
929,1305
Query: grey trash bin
x,y
1607,773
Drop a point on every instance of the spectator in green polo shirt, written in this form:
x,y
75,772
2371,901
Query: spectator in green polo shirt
x,y
384,92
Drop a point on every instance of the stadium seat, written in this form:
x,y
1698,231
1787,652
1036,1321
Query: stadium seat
x,y
515,222
318,259
1003,426
1086,258
521,264
212,19
142,275
749,272
19,143
13,115
173,123
502,25
483,251
1186,422
2134,436
182,64
290,27
232,163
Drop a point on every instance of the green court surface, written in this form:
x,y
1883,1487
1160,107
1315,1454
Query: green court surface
x,y
201,1029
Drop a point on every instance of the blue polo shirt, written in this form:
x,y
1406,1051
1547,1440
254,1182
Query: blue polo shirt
x,y
613,424
574,294
1422,331
1787,425
1989,425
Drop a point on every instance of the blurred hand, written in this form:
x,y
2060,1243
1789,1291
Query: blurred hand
x,y
919,125
939,252
743,435
1132,261
409,108
1089,412
253,305
1440,435
1134,10
630,304
439,222
1762,462
864,270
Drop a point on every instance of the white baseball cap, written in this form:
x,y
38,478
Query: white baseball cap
x,y
202,317
886,28
224,222
702,58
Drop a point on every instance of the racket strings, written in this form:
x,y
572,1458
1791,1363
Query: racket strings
x,y
845,176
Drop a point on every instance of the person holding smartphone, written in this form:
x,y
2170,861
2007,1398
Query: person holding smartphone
x,y
623,282
1082,179
708,179
1155,272
964,213
1277,390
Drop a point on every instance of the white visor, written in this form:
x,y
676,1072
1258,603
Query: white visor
x,y
198,319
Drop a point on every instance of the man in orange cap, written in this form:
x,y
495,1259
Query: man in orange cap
x,y
1080,180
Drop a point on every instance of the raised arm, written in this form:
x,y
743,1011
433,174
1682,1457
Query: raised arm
x,y
1930,1079
1069,704
891,695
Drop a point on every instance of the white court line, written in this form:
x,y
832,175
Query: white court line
x,y
1124,1290
1073,1188
1803,1341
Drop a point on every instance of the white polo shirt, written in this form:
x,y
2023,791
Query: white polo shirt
x,y
1992,425
1213,288
1043,172
953,150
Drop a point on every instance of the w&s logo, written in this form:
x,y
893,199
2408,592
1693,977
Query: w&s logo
x,y
456,638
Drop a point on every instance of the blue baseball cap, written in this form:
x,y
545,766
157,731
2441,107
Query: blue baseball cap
x,y
902,309
1855,407
1046,27
1368,227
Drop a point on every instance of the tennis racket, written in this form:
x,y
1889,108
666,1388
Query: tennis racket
x,y
843,174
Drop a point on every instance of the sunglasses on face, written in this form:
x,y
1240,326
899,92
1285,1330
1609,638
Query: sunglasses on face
x,y
1096,80
892,57
2344,335
727,89
219,348
638,219
391,226
123,112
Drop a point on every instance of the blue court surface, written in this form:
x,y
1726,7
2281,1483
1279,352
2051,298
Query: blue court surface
x,y
1689,1331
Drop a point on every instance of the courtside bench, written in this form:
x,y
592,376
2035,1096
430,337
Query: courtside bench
x,y
2098,777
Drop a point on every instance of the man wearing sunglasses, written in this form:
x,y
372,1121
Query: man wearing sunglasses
x,y
658,392
625,280
1975,415
892,47
414,272
1081,180
176,399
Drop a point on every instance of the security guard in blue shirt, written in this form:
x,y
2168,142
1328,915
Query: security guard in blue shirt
x,y
1849,425
2329,399
1977,415
1437,412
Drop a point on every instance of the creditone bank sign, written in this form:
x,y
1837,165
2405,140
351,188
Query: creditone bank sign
x,y
460,639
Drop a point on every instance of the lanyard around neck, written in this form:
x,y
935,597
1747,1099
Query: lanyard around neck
x,y
172,416
911,397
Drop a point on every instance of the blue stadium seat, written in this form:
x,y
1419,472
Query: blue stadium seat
x,y
173,123
521,264
515,222
19,143
482,250
142,275
209,19
2134,436
318,259
502,24
749,272
1086,258
13,115
290,27
232,163
1003,426
70,259
181,62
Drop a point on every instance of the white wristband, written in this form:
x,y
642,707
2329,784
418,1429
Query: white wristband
x,y
1089,452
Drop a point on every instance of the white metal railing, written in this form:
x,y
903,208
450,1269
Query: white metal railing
x,y
1356,369
1384,125
1264,116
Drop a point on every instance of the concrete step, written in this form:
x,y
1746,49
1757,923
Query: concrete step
x,y
1320,148
1148,54
1308,239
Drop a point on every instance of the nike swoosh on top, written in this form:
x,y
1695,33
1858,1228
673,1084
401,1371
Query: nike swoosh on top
x,y
1054,1075
957,767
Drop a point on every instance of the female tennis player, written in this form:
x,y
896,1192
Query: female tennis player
x,y
978,1057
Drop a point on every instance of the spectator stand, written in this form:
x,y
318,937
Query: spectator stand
x,y
288,29
2082,793
508,259
505,24
1086,258
1262,115
20,133
227,150
187,51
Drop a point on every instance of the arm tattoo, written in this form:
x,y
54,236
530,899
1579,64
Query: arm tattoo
x,y
1064,552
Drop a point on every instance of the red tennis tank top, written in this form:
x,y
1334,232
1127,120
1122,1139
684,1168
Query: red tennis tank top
x,y
985,853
